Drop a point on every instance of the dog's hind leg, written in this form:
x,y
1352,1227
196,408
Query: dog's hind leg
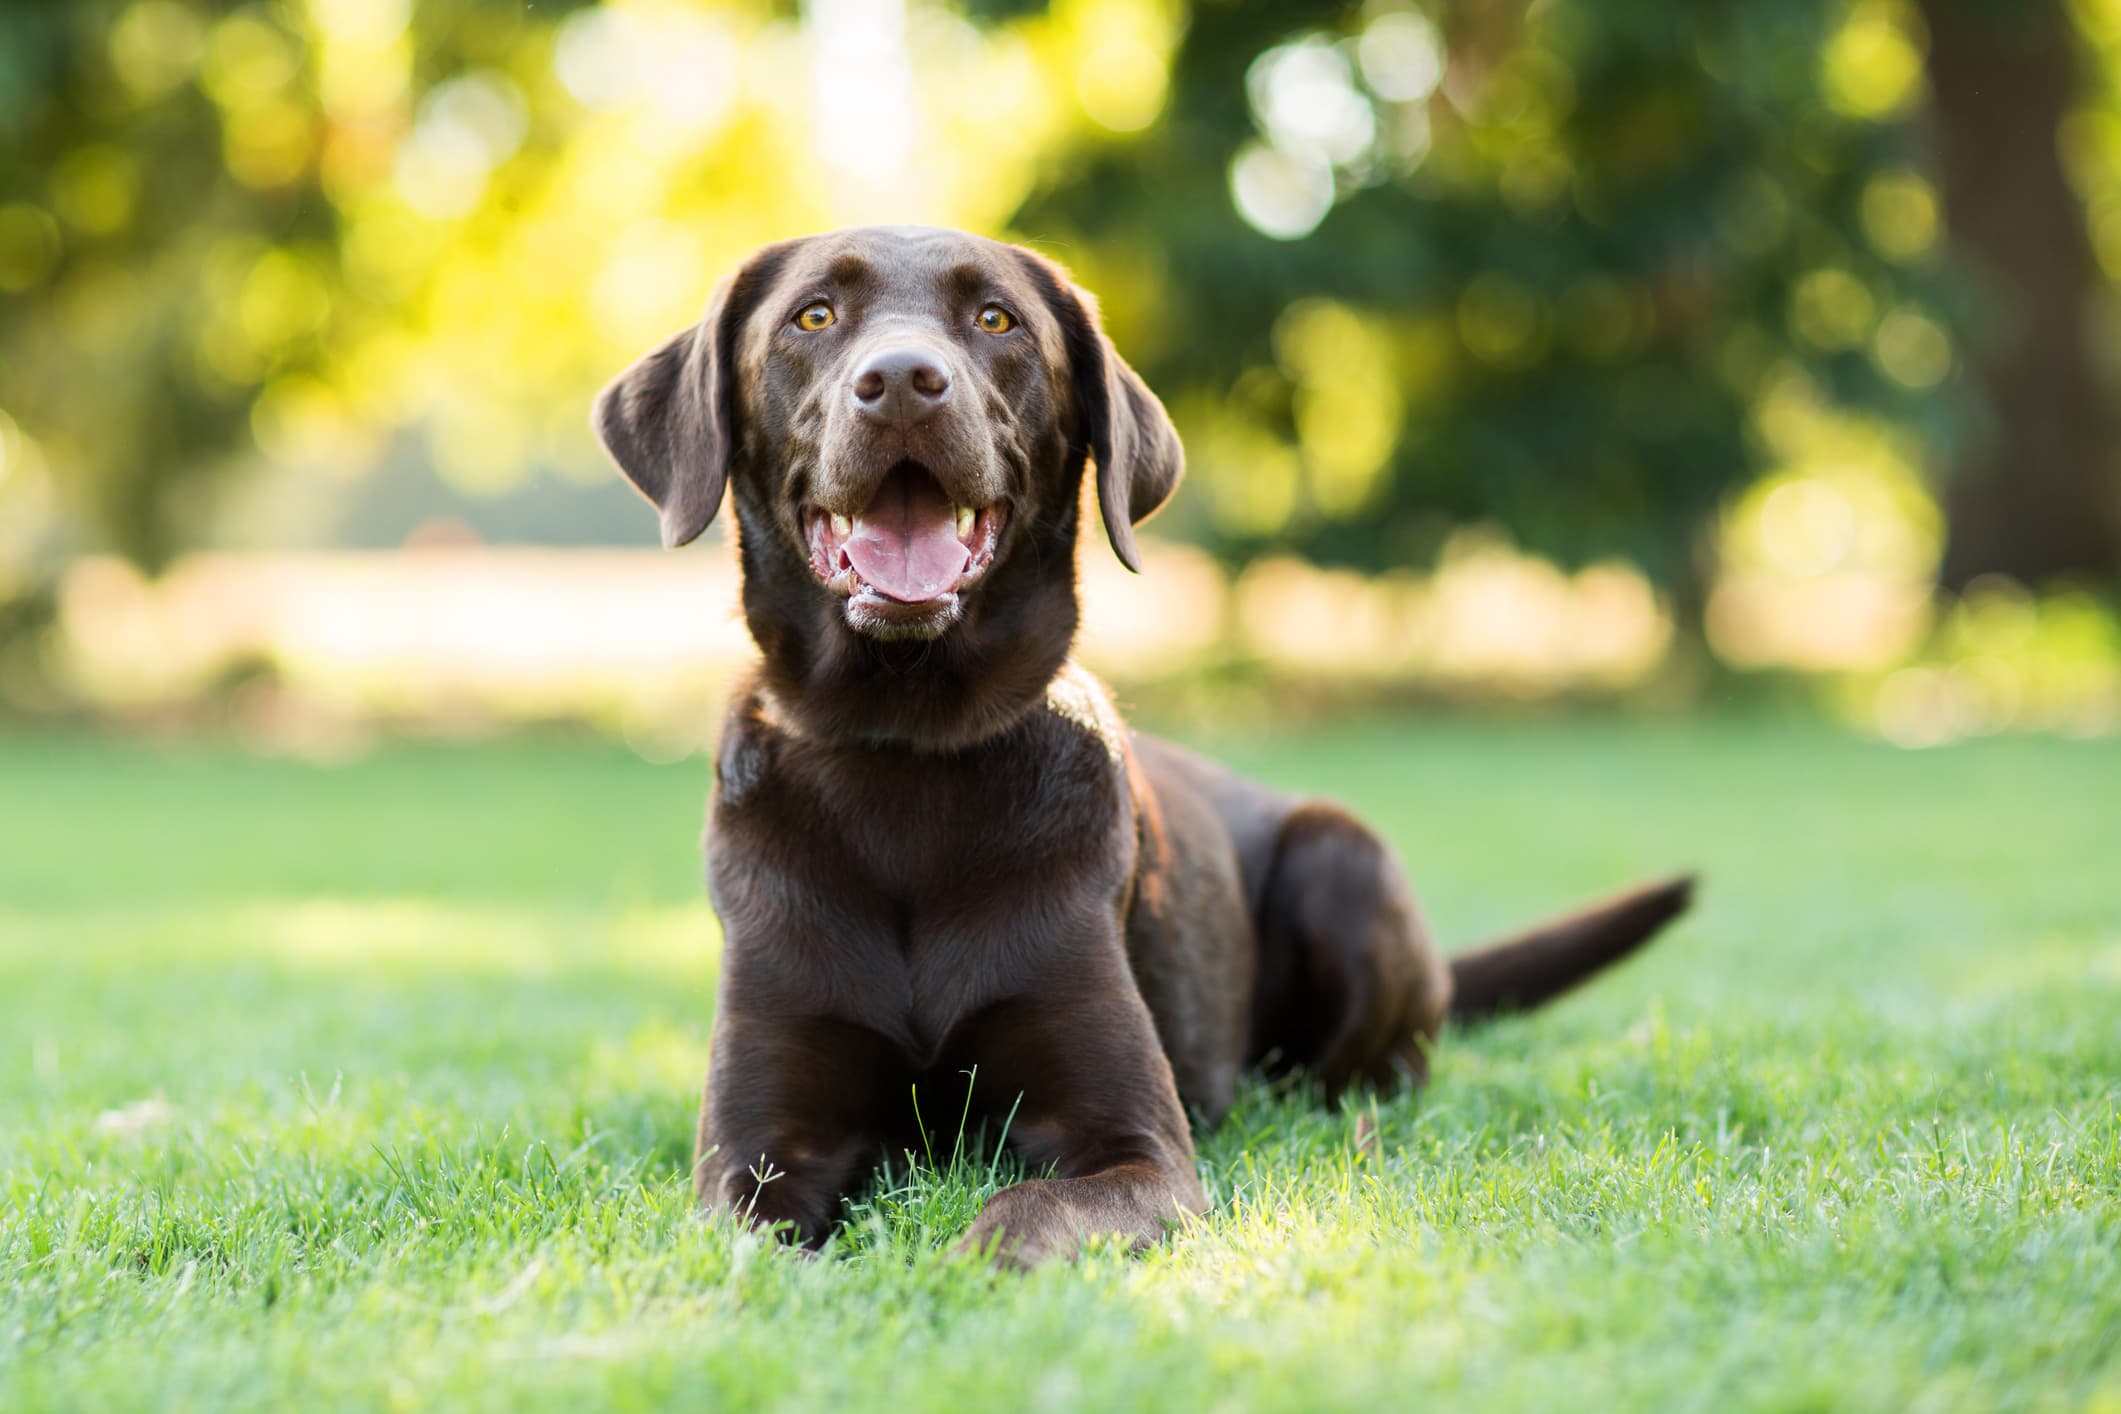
x,y
1352,989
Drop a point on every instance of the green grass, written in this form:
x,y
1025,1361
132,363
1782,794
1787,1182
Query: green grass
x,y
373,1086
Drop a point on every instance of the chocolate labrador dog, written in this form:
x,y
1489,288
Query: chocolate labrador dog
x,y
939,858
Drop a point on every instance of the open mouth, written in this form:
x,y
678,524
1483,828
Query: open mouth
x,y
908,553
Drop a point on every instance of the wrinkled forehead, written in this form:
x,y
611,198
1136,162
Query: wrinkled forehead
x,y
914,270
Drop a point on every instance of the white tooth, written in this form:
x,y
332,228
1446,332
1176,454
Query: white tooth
x,y
842,527
965,517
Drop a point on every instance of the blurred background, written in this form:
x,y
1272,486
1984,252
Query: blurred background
x,y
1679,355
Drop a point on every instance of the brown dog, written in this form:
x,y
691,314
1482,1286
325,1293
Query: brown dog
x,y
939,858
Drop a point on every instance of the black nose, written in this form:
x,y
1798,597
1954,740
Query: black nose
x,y
902,385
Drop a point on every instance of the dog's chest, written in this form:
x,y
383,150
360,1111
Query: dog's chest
x,y
908,891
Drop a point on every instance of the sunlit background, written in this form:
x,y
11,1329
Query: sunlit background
x,y
1522,350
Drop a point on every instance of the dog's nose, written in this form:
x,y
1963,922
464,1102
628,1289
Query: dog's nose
x,y
902,384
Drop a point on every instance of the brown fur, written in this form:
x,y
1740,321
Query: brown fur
x,y
939,859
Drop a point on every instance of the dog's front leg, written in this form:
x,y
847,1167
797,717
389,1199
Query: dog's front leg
x,y
788,1125
1099,1107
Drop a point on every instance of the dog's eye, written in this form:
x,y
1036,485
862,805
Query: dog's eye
x,y
995,320
814,318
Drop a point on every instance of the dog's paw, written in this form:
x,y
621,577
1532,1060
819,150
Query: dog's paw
x,y
1021,1227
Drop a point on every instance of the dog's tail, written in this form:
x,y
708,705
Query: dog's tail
x,y
1541,963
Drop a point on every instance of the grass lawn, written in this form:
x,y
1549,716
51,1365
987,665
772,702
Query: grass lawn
x,y
374,1085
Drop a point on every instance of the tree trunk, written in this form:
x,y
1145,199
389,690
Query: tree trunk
x,y
2033,494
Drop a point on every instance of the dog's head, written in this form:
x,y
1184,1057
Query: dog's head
x,y
902,413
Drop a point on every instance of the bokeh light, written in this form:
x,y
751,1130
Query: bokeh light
x,y
1488,315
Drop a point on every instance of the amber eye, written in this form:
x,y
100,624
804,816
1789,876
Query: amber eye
x,y
814,318
995,320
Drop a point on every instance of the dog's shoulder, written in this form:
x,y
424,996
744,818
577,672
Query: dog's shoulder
x,y
750,734
1078,702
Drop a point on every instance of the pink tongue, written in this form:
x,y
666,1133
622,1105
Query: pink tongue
x,y
905,544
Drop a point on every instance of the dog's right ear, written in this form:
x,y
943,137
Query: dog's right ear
x,y
669,421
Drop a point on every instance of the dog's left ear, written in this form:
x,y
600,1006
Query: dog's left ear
x,y
1129,435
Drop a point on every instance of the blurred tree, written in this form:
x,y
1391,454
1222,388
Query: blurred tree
x,y
1563,267
130,222
179,194
2036,492
1528,264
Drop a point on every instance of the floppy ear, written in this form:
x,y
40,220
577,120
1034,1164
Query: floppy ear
x,y
1137,451
666,421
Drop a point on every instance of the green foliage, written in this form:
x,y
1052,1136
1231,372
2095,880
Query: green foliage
x,y
174,183
1546,263
371,1086
1580,239
119,213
